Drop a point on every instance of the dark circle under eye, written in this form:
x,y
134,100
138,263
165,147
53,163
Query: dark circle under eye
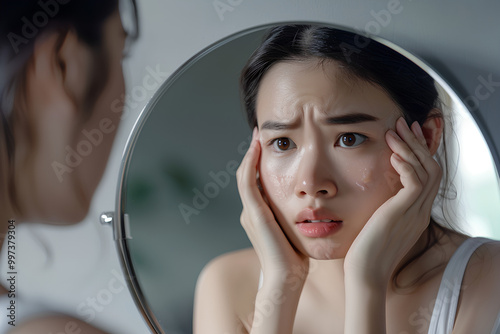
x,y
283,143
349,139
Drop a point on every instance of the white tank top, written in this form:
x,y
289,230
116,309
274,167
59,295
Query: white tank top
x,y
445,308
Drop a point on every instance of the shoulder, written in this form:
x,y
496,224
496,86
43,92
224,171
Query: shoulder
x,y
55,324
479,303
232,270
483,266
233,264
226,290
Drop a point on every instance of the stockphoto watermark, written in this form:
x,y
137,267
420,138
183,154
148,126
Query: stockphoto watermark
x,y
10,248
421,318
70,327
94,137
293,279
381,19
483,91
222,7
218,181
88,309
32,24
94,304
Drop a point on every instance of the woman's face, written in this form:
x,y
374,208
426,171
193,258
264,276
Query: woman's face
x,y
58,179
106,113
324,155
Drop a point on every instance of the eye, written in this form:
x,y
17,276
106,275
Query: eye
x,y
350,140
282,144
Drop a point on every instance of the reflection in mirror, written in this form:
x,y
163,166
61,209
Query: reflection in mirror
x,y
180,193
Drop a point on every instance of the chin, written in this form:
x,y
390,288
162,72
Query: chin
x,y
65,219
324,250
67,213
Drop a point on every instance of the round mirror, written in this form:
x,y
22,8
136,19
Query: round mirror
x,y
178,203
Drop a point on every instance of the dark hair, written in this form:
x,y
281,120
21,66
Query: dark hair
x,y
409,86
21,23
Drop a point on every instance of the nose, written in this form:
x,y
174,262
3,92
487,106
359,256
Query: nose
x,y
315,176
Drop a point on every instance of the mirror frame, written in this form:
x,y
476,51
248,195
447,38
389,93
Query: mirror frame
x,y
120,219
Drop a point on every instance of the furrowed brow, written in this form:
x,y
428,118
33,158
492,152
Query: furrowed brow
x,y
274,125
336,120
351,119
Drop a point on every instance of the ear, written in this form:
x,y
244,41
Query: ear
x,y
433,130
55,84
56,80
58,75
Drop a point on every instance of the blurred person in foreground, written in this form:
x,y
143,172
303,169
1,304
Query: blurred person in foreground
x,y
60,72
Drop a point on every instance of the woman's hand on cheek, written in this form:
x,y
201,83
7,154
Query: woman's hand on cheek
x,y
277,257
397,224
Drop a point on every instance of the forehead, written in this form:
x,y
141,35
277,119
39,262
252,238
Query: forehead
x,y
291,88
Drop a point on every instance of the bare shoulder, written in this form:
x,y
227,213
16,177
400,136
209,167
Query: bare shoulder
x,y
225,292
234,264
55,324
479,304
234,270
483,266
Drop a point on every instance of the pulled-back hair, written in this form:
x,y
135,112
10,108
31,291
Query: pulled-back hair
x,y
21,24
411,88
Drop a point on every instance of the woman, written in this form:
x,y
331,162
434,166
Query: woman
x,y
61,72
337,190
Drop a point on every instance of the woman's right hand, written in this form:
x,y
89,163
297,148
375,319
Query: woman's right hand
x,y
279,261
283,268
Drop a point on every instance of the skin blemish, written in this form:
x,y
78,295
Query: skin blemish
x,y
281,185
366,178
355,178
359,184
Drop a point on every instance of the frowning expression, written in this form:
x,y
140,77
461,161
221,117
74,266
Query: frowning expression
x,y
325,164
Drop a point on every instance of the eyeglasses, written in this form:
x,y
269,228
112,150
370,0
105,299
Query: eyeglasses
x,y
130,22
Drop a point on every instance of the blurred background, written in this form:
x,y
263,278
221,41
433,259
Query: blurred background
x,y
181,200
197,130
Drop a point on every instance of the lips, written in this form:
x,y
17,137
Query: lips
x,y
318,215
317,223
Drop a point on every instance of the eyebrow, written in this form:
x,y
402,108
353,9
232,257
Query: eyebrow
x,y
351,119
335,120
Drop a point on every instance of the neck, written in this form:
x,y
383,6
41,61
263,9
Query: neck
x,y
329,274
420,262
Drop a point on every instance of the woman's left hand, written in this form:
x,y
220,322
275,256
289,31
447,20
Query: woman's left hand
x,y
397,224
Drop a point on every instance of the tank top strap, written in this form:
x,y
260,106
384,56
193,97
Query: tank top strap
x,y
445,308
261,279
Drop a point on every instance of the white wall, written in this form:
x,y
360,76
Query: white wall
x,y
459,38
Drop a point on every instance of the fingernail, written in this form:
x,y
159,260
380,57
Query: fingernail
x,y
393,134
397,157
254,134
403,123
417,129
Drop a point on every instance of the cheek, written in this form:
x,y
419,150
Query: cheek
x,y
279,187
277,179
365,180
375,173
